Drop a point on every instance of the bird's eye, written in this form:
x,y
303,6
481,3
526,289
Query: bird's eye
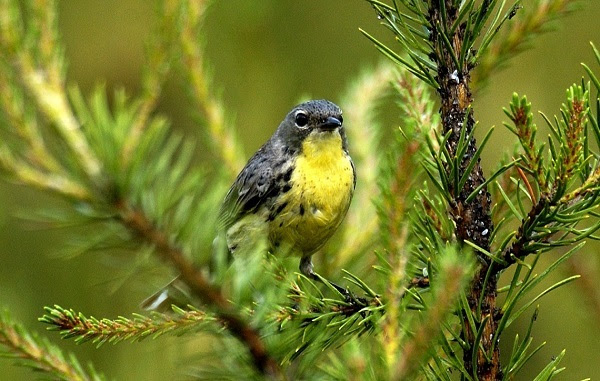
x,y
341,119
301,119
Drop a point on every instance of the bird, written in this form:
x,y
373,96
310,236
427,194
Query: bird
x,y
296,189
294,193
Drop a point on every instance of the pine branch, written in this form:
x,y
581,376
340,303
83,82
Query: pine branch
x,y
46,83
449,50
38,354
444,58
398,175
472,219
83,329
419,122
312,322
137,222
555,209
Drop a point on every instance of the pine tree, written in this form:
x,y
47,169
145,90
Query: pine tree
x,y
446,260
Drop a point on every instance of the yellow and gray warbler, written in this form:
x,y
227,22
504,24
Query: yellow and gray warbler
x,y
295,190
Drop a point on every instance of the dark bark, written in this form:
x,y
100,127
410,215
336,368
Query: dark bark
x,y
473,220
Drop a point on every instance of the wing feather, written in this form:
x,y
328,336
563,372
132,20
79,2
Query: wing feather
x,y
253,186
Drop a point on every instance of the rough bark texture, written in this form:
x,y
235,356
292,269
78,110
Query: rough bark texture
x,y
473,221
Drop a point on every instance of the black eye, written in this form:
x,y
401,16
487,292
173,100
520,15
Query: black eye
x,y
301,119
341,119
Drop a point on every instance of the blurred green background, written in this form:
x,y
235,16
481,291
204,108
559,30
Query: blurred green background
x,y
265,56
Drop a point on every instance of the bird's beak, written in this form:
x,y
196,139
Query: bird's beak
x,y
329,124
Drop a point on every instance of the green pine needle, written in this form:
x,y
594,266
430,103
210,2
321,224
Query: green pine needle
x,y
28,350
73,325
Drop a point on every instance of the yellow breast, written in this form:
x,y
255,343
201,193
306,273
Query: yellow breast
x,y
322,186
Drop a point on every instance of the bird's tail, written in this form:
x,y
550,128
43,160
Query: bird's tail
x,y
175,293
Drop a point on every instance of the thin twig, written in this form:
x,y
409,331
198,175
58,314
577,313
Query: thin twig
x,y
527,184
75,325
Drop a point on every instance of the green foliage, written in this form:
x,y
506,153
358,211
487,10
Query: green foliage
x,y
564,178
423,307
477,24
448,38
28,350
83,329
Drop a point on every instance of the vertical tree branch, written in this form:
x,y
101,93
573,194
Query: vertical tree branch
x,y
472,219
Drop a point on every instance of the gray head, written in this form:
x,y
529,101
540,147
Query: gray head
x,y
312,117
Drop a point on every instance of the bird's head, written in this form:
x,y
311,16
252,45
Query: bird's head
x,y
316,118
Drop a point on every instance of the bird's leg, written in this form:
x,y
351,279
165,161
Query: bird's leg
x,y
307,268
355,303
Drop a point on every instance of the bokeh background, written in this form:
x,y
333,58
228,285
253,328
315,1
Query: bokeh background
x,y
265,56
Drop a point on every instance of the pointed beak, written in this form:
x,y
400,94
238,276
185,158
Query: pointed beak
x,y
330,124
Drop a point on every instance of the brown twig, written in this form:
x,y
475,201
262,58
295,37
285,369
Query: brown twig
x,y
75,325
138,223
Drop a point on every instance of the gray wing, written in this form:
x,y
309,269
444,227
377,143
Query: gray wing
x,y
254,185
